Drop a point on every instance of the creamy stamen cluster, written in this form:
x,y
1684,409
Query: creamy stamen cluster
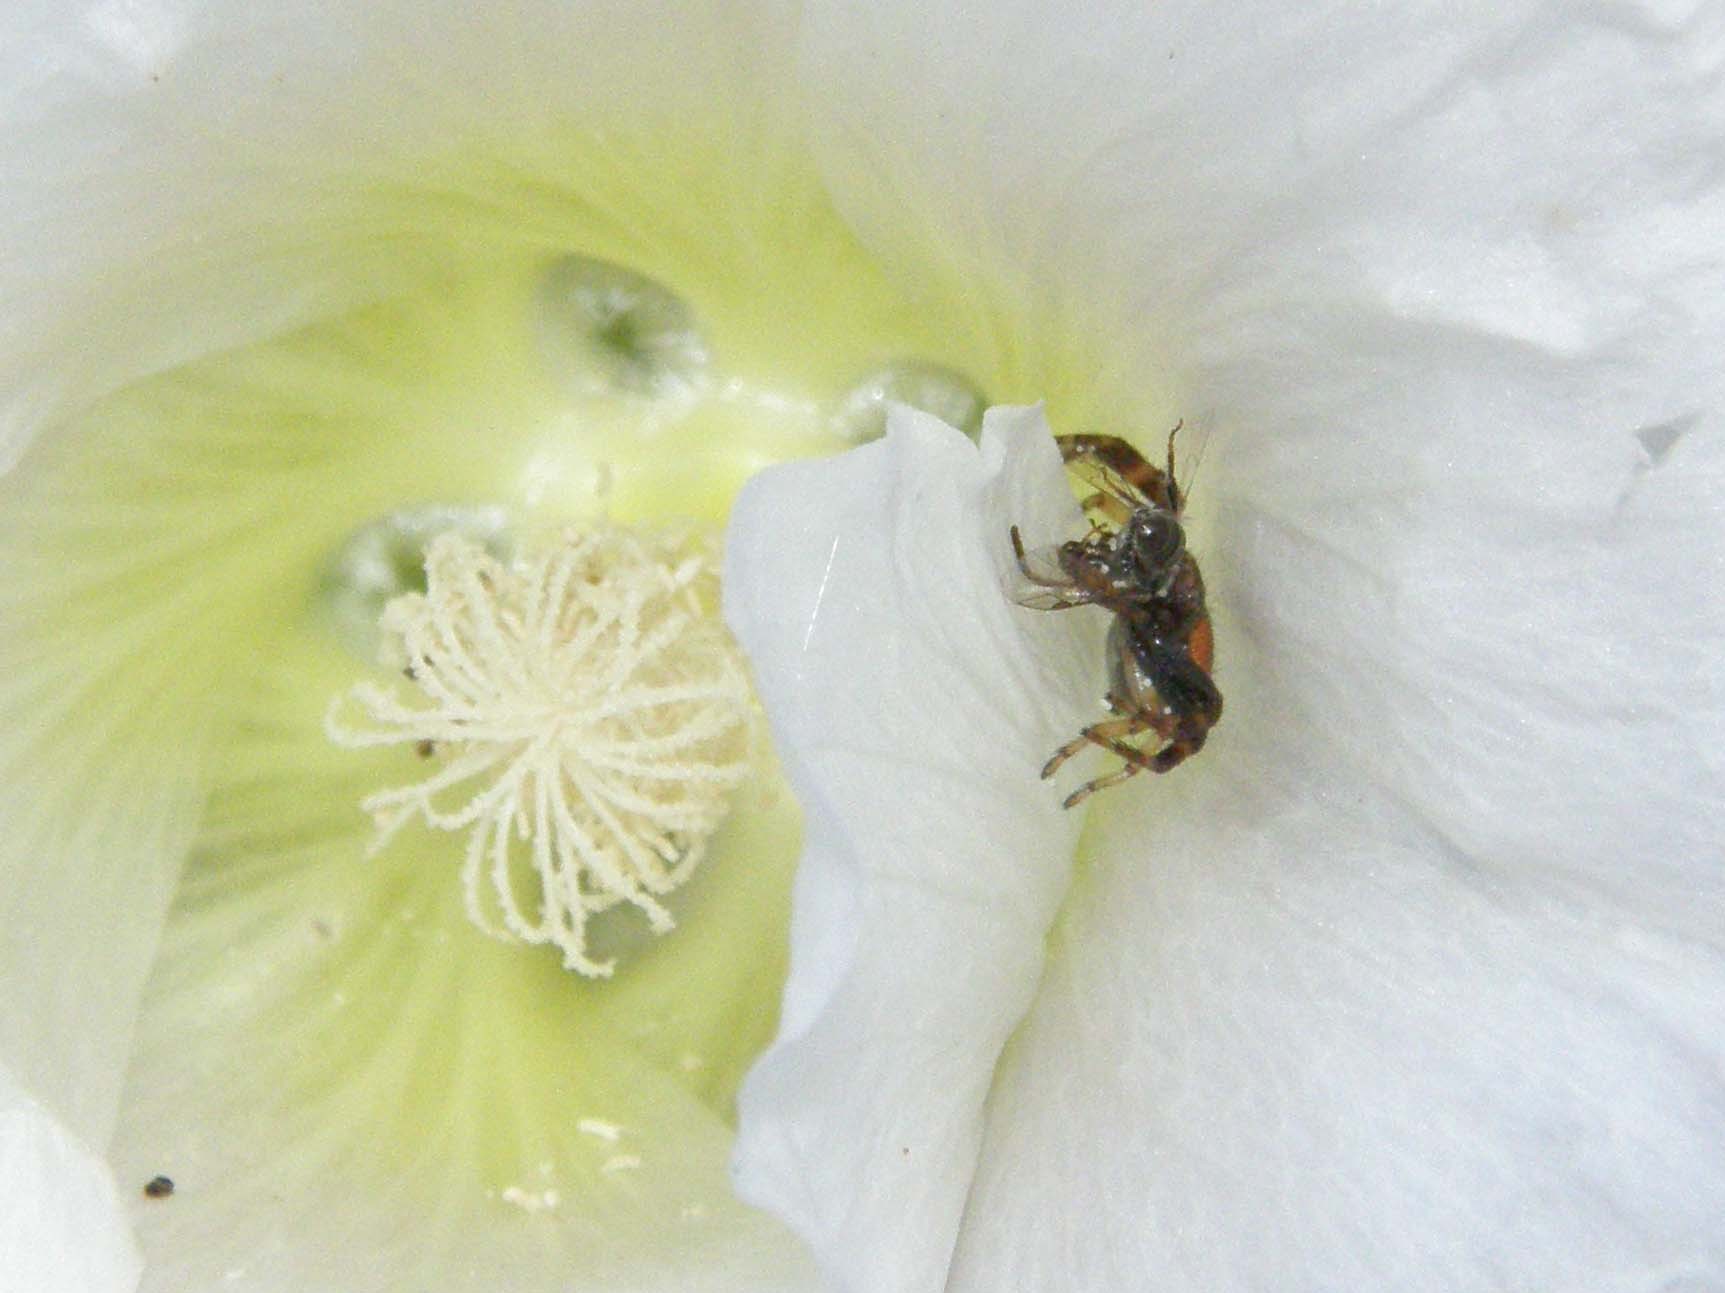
x,y
587,715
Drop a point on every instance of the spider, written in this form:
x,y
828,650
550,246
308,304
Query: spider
x,y
1133,563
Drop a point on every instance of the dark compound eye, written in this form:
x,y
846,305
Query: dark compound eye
x,y
1156,539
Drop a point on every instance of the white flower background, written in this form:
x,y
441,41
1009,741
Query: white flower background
x,y
1415,978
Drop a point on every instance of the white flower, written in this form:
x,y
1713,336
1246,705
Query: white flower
x,y
1415,978
1409,981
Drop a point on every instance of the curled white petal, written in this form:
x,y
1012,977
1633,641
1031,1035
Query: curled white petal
x,y
915,703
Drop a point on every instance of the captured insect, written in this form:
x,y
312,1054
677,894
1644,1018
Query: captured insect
x,y
1134,563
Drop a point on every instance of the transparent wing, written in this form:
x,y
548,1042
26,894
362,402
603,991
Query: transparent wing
x,y
1196,442
1111,496
1040,581
1122,478
1046,599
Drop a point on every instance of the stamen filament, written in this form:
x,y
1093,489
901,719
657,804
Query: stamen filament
x,y
593,705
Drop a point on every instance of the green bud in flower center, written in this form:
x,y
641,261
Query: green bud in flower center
x,y
604,328
949,395
386,559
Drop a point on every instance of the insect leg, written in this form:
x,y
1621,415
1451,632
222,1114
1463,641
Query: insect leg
x,y
1184,739
1182,747
1108,735
1116,511
1042,581
1064,753
1122,773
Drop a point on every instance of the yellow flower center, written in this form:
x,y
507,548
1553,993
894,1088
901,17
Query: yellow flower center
x,y
632,325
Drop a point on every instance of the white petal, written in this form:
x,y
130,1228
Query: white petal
x,y
1211,207
183,177
916,706
61,1225
1293,1040
1416,978
1413,979
106,681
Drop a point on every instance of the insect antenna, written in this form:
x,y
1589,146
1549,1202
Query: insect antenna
x,y
1180,489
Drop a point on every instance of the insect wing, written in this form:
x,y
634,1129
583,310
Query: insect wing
x,y
1041,582
1120,476
1102,478
1033,598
